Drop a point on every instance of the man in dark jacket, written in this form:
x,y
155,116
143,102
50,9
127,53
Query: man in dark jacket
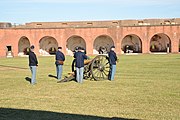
x,y
73,62
33,63
112,61
60,58
79,56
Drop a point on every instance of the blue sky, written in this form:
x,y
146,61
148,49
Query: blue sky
x,y
24,11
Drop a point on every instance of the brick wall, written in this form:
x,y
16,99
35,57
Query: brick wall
x,y
11,36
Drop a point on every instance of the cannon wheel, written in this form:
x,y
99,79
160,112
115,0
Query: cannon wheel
x,y
100,67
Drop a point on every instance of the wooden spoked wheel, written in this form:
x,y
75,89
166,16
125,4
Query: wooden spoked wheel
x,y
100,67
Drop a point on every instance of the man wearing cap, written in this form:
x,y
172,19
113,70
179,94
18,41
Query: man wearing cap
x,y
60,58
33,63
112,62
79,56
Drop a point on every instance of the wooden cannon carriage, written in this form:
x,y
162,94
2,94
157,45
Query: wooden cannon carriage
x,y
95,69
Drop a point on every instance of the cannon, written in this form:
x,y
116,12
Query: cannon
x,y
95,69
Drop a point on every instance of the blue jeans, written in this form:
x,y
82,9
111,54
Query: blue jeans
x,y
59,69
112,72
33,71
79,74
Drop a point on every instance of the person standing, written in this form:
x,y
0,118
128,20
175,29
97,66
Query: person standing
x,y
112,62
60,58
73,62
79,56
33,63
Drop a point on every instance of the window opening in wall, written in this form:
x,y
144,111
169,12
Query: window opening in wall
x,y
167,22
90,23
9,52
39,24
64,23
140,21
115,22
9,48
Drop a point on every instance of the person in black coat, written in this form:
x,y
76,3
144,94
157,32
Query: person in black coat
x,y
79,56
33,63
60,58
73,62
112,62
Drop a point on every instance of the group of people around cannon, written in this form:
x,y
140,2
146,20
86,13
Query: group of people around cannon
x,y
79,57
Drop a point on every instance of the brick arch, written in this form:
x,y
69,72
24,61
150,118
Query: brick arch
x,y
102,43
23,46
131,43
48,45
160,42
73,42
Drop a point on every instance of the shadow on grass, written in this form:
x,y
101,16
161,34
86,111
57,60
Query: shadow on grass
x,y
13,67
28,79
53,76
24,114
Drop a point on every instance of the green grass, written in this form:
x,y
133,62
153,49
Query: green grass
x,y
145,87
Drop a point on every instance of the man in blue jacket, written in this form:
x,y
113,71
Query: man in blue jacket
x,y
112,62
33,63
80,56
60,58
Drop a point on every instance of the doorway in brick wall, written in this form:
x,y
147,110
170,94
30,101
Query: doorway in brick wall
x,y
102,44
73,42
131,44
160,43
48,45
23,46
9,52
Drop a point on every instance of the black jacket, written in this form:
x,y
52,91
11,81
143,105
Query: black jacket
x,y
112,57
32,59
59,56
80,56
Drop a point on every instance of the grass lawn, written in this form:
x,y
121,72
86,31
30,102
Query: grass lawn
x,y
145,87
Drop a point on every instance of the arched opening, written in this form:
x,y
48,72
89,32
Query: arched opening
x,y
102,44
160,43
48,45
131,44
73,42
23,46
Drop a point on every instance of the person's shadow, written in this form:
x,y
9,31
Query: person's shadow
x,y
52,76
28,79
